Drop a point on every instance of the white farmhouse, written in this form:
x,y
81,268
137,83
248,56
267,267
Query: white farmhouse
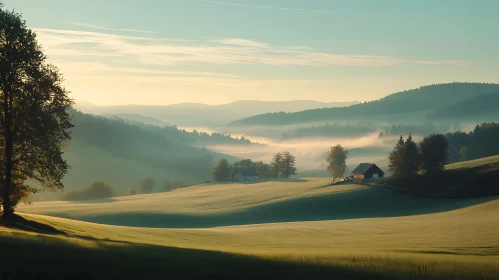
x,y
243,173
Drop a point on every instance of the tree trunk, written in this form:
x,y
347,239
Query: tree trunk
x,y
8,208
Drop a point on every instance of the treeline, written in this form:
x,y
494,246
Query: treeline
x,y
330,130
484,106
132,142
416,129
408,158
197,138
430,97
104,190
283,165
481,142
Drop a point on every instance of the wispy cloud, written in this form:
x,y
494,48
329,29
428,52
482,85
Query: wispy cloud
x,y
241,42
110,29
266,7
70,44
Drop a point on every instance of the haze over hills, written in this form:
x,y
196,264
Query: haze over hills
x,y
197,114
406,105
123,154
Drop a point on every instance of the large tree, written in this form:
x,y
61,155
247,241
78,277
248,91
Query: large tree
x,y
288,165
221,171
244,162
434,153
396,159
263,169
276,164
411,157
337,162
34,118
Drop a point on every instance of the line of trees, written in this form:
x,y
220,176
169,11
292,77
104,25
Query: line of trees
x,y
479,143
407,158
283,165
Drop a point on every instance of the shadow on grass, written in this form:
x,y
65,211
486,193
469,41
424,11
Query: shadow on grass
x,y
45,257
373,202
21,223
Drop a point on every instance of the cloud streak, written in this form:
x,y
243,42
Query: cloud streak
x,y
110,29
70,45
266,7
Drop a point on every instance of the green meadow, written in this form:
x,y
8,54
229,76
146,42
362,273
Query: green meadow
x,y
294,229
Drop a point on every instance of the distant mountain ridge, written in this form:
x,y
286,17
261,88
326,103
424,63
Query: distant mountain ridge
x,y
423,99
197,114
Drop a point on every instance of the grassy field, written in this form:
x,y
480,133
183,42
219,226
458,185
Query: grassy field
x,y
494,160
213,205
459,244
296,229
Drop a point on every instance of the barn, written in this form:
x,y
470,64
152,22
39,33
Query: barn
x,y
243,173
368,171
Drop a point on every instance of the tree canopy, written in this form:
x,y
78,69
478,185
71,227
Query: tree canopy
x,y
336,160
434,153
221,171
34,117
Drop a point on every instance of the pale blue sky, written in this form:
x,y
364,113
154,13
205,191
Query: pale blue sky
x,y
171,51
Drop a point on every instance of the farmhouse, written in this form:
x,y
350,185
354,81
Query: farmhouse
x,y
368,171
243,173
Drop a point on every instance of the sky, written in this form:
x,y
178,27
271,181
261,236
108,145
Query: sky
x,y
156,52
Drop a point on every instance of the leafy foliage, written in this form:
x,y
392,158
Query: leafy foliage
x,y
434,153
34,119
337,162
97,190
396,159
411,157
221,171
479,143
288,165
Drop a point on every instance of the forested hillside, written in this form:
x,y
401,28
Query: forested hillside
x,y
123,154
426,98
481,142
196,114
479,107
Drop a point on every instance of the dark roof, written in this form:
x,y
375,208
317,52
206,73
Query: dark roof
x,y
244,170
364,167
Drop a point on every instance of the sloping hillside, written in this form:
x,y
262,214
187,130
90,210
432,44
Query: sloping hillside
x,y
195,114
449,233
426,98
238,204
483,107
122,154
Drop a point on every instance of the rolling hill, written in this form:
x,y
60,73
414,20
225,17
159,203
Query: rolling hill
x,y
409,104
201,115
355,231
122,154
239,204
484,107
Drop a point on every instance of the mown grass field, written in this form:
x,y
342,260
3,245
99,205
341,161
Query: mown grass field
x,y
300,229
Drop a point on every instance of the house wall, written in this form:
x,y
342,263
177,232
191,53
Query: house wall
x,y
239,177
359,176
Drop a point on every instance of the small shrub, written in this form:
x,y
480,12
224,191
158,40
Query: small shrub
x,y
97,190
127,192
